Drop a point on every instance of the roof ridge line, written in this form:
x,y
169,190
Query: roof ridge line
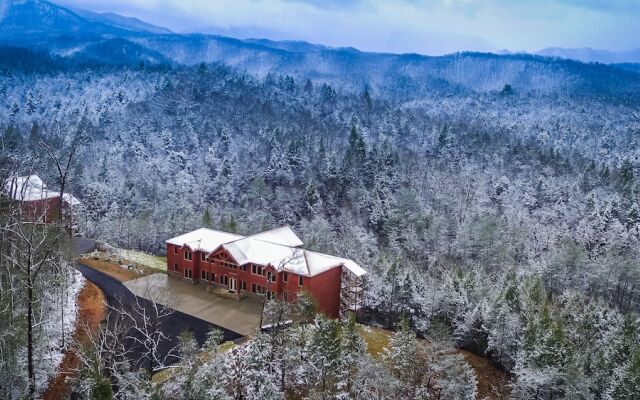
x,y
306,262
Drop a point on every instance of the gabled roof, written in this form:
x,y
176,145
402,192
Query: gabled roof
x,y
204,239
283,235
320,261
252,250
32,188
279,248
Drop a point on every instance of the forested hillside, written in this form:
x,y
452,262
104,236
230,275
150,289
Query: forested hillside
x,y
507,221
493,199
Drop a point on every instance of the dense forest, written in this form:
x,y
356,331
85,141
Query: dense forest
x,y
505,222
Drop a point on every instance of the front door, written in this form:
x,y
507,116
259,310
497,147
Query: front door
x,y
232,284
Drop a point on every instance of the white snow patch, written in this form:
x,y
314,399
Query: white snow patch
x,y
50,351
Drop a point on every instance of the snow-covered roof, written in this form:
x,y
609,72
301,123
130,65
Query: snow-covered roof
x,y
283,235
279,248
204,239
32,188
320,261
252,250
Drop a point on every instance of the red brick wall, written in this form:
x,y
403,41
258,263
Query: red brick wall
x,y
213,265
178,258
45,210
325,288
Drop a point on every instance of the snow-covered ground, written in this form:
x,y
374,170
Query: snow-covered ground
x,y
142,258
55,324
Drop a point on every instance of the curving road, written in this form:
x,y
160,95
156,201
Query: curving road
x,y
171,325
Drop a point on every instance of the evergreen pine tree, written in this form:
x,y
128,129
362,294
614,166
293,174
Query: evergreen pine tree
x,y
352,350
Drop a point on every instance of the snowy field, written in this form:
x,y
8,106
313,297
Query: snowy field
x,y
138,257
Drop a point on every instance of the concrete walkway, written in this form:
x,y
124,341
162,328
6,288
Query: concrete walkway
x,y
239,316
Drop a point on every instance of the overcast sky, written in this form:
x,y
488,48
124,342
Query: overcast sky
x,y
421,26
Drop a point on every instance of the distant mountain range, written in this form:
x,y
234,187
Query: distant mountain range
x,y
77,37
587,54
584,54
118,21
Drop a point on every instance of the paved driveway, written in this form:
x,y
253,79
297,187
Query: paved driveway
x,y
239,316
171,325
82,245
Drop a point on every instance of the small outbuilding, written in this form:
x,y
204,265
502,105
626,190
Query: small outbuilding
x,y
37,202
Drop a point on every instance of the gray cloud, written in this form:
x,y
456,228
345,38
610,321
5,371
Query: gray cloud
x,y
422,26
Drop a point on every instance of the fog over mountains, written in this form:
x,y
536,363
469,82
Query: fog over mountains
x,y
586,54
77,37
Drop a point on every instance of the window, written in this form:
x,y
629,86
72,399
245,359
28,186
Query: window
x,y
286,296
213,277
299,281
270,295
257,289
203,257
257,270
224,280
285,277
175,267
175,250
243,285
203,274
271,276
188,255
188,273
227,264
244,268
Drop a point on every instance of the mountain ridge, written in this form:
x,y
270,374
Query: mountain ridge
x,y
44,26
588,54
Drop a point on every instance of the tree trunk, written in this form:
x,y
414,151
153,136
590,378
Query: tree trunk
x,y
30,367
63,183
63,297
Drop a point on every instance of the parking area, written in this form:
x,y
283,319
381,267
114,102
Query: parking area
x,y
239,316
